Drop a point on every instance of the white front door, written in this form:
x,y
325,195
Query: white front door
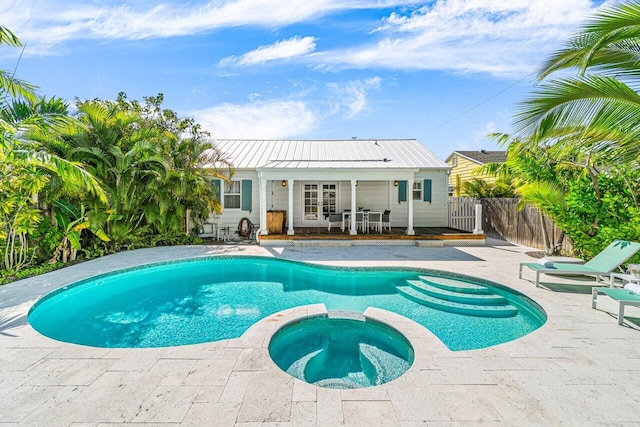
x,y
310,212
319,200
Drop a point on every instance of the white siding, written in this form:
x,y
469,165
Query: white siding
x,y
425,214
231,217
374,195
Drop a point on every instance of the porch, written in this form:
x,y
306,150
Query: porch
x,y
424,236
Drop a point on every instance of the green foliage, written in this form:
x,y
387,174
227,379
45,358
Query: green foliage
x,y
148,160
8,277
576,149
48,236
480,188
593,222
596,114
121,175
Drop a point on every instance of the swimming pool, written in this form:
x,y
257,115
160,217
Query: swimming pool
x,y
209,299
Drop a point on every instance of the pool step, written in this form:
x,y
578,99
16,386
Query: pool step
x,y
455,285
353,380
297,368
379,365
456,296
415,295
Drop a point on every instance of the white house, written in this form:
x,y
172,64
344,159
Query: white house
x,y
311,179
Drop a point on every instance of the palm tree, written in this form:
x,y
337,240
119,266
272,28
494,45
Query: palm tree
x,y
596,114
149,164
27,171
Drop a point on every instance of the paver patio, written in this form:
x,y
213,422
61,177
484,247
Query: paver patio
x,y
580,368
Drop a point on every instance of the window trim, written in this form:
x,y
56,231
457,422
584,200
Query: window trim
x,y
239,194
413,190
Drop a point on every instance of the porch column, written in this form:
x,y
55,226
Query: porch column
x,y
410,230
290,211
478,228
263,207
352,223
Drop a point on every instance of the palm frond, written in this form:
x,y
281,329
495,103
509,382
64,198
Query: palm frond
x,y
579,101
8,38
16,88
601,40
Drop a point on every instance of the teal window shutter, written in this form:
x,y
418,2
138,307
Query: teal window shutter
x,y
402,191
217,185
426,190
246,195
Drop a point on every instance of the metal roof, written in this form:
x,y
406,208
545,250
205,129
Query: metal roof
x,y
329,154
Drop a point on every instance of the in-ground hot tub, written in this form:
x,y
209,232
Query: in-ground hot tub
x,y
342,352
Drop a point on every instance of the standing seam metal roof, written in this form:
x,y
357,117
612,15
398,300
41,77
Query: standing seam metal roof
x,y
347,153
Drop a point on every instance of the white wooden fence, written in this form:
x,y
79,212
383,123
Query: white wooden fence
x,y
462,214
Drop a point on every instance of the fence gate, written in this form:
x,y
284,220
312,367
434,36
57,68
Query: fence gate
x,y
462,213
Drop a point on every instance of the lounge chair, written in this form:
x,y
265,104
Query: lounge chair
x,y
623,296
599,266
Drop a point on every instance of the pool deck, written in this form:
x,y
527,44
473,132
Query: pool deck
x,y
580,368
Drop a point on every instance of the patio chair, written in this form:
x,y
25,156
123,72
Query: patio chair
x,y
333,219
624,297
360,221
375,221
599,266
386,219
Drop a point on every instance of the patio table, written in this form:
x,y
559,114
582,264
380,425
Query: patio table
x,y
346,219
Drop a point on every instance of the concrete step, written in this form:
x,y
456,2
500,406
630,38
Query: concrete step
x,y
456,307
463,297
455,285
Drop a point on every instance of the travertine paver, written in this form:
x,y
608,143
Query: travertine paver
x,y
580,368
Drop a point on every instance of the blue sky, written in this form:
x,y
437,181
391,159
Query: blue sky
x,y
283,69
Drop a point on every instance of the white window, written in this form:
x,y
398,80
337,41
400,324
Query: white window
x,y
454,161
417,190
232,195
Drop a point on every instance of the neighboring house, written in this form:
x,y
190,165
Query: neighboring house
x,y
464,162
311,179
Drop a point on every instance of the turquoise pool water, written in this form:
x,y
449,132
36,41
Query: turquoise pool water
x,y
203,300
341,353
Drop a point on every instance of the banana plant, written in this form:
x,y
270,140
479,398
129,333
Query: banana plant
x,y
73,222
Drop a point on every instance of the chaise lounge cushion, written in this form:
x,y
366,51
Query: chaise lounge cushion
x,y
634,288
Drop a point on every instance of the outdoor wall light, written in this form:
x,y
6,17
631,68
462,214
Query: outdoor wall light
x,y
356,183
395,183
284,183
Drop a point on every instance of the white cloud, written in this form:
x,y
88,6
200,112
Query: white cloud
x,y
275,119
352,95
45,23
491,36
284,118
283,49
479,140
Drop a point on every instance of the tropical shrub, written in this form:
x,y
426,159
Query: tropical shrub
x,y
480,188
148,162
591,220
